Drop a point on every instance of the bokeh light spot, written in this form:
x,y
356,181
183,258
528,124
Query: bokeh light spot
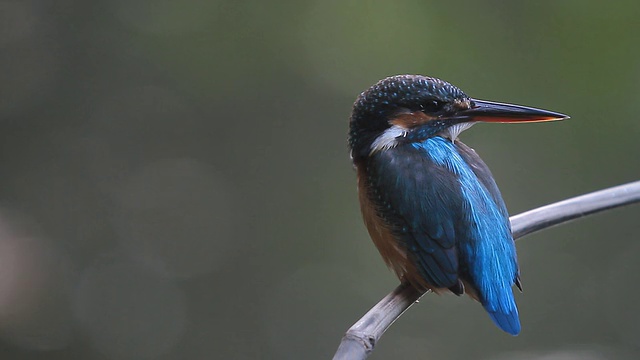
x,y
35,287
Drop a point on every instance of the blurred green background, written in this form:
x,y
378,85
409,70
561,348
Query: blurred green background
x,y
175,181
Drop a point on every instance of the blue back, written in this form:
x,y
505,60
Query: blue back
x,y
448,211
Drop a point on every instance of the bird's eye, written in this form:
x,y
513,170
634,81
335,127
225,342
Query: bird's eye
x,y
431,106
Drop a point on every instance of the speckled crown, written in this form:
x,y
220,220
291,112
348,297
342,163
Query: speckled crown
x,y
404,90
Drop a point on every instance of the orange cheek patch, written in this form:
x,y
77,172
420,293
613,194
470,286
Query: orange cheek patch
x,y
412,119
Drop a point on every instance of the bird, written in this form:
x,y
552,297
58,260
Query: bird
x,y
429,202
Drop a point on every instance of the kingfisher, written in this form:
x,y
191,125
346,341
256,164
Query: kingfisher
x,y
429,202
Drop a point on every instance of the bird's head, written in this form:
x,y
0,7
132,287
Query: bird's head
x,y
407,108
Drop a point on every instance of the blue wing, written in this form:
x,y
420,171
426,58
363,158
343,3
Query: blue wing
x,y
444,206
482,172
506,317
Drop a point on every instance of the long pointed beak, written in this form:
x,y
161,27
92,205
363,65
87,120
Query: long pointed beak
x,y
489,111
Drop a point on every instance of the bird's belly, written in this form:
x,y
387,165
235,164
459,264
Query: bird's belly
x,y
394,255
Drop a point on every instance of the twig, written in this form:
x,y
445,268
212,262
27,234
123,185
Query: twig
x,y
362,337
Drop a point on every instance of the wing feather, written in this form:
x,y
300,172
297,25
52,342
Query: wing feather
x,y
421,201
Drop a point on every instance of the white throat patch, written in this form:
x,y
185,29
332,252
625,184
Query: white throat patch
x,y
387,139
452,132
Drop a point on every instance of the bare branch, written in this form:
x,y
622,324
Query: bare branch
x,y
362,337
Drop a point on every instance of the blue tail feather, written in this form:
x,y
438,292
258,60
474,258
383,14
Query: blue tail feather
x,y
508,321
